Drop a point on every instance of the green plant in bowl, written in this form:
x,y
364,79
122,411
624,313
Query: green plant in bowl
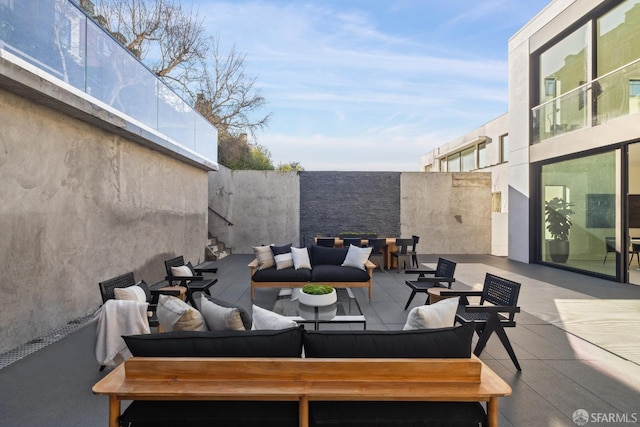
x,y
313,289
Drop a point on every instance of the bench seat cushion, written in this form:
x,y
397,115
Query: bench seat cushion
x,y
337,273
401,414
454,342
210,413
285,275
258,343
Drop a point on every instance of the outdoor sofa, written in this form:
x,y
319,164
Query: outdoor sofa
x,y
293,377
325,267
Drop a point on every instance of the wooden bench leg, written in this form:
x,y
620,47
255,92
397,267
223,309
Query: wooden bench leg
x,y
114,411
492,412
303,411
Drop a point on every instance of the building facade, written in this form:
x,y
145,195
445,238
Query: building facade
x,y
573,171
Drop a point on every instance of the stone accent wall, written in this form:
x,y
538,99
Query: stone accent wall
x,y
334,202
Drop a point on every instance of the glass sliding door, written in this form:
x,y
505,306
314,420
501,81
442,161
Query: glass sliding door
x,y
579,213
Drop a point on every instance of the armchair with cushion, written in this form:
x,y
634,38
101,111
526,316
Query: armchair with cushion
x,y
185,275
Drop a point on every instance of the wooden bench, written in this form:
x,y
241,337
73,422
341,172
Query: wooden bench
x,y
253,266
302,380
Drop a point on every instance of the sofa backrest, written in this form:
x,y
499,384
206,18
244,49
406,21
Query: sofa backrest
x,y
258,343
319,255
454,342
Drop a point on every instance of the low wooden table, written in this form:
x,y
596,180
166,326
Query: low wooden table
x,y
434,294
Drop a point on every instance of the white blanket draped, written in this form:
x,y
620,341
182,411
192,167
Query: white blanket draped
x,y
116,318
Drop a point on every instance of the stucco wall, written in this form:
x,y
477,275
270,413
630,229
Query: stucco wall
x,y
451,212
264,207
81,205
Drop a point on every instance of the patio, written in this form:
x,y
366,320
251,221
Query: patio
x,y
577,340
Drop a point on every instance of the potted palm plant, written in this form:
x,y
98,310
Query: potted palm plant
x,y
558,213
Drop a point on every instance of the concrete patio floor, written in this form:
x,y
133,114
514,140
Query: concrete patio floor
x,y
577,342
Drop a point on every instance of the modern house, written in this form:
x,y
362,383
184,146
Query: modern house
x,y
573,130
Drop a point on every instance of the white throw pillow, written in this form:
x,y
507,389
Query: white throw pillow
x,y
301,258
176,315
181,271
357,257
265,319
439,315
131,293
219,318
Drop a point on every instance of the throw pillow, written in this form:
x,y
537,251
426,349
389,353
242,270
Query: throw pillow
x,y
439,315
176,315
131,293
181,271
282,256
220,318
265,319
300,258
264,256
357,257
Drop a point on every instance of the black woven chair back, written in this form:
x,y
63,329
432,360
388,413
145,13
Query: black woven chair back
x,y
500,291
445,268
122,281
173,262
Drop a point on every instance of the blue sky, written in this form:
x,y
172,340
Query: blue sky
x,y
371,84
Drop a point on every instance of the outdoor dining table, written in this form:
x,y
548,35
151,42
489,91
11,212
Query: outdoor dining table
x,y
388,248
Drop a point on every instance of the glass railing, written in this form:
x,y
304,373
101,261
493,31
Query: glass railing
x,y
613,95
59,39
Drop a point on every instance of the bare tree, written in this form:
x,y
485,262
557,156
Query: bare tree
x,y
171,41
166,37
227,96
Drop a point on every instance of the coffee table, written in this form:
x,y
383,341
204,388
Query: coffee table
x,y
345,310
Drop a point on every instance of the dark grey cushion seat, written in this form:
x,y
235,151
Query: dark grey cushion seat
x,y
336,273
143,413
396,414
284,275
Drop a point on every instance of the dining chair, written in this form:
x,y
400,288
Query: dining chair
x,y
327,242
377,253
403,253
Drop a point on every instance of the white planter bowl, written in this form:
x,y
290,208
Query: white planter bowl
x,y
318,300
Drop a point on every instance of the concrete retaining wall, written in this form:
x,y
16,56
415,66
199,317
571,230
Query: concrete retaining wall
x,y
81,205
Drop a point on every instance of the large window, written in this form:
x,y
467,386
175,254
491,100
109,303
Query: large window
x,y
570,96
563,68
578,213
504,148
482,155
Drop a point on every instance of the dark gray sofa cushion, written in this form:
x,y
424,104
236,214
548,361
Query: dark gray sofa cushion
x,y
320,255
336,273
285,275
454,342
261,343
396,414
143,413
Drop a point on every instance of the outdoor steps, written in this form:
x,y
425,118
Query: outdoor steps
x,y
215,250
